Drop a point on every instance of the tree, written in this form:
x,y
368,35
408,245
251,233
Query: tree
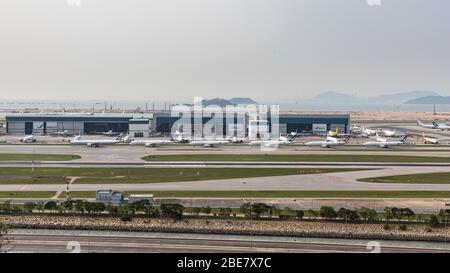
x,y
51,206
79,206
367,214
312,214
174,211
4,240
299,214
408,213
197,211
111,209
327,212
388,213
259,208
347,214
434,221
67,205
206,210
99,207
246,209
40,206
29,207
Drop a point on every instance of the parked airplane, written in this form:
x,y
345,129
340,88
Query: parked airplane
x,y
209,143
383,143
179,137
236,140
424,125
63,133
441,126
152,143
389,133
28,139
96,142
110,133
429,140
328,142
274,142
369,132
334,133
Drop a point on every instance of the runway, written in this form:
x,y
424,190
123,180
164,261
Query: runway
x,y
343,181
92,241
126,156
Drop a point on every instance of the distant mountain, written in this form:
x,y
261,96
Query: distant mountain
x,y
430,100
216,101
331,97
244,101
402,97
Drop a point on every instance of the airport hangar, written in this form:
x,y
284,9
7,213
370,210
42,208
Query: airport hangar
x,y
289,122
139,125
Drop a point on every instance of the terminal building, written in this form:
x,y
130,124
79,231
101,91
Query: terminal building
x,y
138,125
27,124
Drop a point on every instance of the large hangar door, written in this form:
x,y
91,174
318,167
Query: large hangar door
x,y
28,128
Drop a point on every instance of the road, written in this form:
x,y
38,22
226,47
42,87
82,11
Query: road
x,y
68,241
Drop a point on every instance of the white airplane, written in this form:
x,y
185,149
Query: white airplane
x,y
328,142
369,132
28,139
236,140
429,140
441,126
389,133
179,137
152,143
274,143
64,133
383,143
96,142
209,143
424,125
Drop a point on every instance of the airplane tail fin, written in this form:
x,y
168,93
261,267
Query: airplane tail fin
x,y
347,139
435,124
119,137
404,139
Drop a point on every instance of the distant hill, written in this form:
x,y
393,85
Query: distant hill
x,y
244,101
332,97
223,102
430,100
402,97
216,101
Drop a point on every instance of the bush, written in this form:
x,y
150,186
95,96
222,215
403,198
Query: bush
x,y
386,227
402,227
434,221
125,218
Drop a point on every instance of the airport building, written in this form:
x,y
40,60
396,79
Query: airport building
x,y
27,124
289,122
141,126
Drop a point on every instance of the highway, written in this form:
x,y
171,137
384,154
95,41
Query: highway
x,y
69,241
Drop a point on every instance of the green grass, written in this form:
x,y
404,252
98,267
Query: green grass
x,y
298,158
156,175
143,175
37,157
279,194
425,178
27,194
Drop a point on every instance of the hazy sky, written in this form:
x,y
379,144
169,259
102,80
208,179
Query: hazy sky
x,y
177,49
